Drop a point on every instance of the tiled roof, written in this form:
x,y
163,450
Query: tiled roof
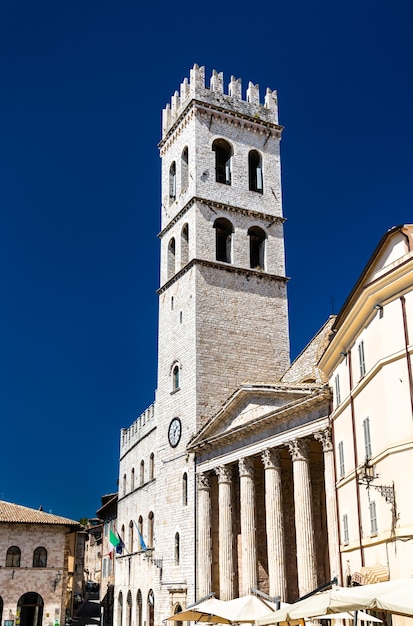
x,y
21,514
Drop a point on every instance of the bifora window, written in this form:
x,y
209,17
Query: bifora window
x,y
223,239
223,154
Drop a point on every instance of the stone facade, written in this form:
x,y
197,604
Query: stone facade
x,y
36,575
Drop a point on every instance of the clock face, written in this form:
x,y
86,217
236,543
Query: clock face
x,y
174,432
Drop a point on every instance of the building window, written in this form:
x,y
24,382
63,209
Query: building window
x,y
124,484
223,153
152,466
257,247
132,479
175,378
367,438
176,548
184,169
184,245
142,473
185,489
172,182
142,545
373,518
13,557
223,239
150,529
120,607
131,536
341,469
255,171
171,258
337,389
139,608
362,361
40,557
345,529
104,566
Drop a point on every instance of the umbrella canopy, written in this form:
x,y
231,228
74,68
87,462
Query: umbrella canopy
x,y
211,611
394,596
361,616
248,608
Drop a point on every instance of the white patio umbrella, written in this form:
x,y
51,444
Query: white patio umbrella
x,y
361,616
248,608
395,596
211,611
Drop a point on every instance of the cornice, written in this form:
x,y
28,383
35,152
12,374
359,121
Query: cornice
x,y
220,206
233,117
248,273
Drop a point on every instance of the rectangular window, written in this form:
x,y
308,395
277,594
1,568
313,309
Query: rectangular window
x,y
341,470
362,361
106,528
104,568
110,567
337,389
373,518
367,438
345,529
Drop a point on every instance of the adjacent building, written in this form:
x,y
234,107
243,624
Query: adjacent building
x,y
37,568
369,366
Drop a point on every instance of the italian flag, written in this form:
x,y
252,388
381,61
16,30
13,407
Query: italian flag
x,y
114,540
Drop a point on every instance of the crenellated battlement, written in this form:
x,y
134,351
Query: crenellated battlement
x,y
140,427
214,95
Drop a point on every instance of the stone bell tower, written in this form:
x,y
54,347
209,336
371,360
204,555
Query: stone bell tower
x,y
223,317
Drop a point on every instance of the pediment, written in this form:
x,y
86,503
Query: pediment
x,y
247,409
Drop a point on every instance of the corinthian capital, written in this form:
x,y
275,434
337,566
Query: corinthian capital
x,y
246,467
224,474
299,450
324,436
202,482
271,458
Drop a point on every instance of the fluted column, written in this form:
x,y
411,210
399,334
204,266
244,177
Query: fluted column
x,y
275,524
331,505
248,530
226,565
204,535
306,562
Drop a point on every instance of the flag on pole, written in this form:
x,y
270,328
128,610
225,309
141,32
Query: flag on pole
x,y
114,540
141,540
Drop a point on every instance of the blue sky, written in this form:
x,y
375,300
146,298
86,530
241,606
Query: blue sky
x,y
82,89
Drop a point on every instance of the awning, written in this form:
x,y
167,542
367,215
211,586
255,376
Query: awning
x,y
370,574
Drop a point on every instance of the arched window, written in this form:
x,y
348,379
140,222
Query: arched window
x,y
223,153
124,484
172,182
223,239
185,489
171,258
40,557
150,529
176,550
175,377
132,479
131,538
151,608
13,557
140,529
257,247
255,171
142,473
184,245
120,608
129,612
139,608
184,169
152,466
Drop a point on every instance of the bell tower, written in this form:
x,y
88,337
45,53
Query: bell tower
x,y
223,318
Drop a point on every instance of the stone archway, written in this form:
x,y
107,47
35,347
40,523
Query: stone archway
x,y
30,608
